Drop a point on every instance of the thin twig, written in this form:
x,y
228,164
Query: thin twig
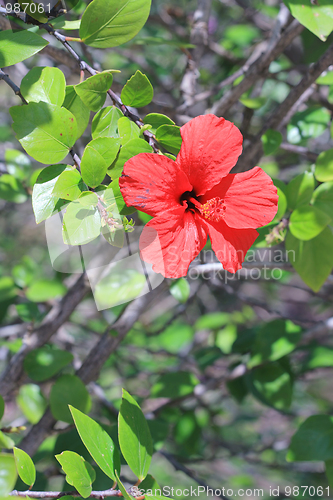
x,y
12,85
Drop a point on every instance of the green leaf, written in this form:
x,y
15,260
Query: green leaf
x,y
44,84
18,46
79,473
180,290
8,289
313,259
212,321
88,199
93,91
253,102
274,340
69,185
28,312
8,474
97,157
123,490
132,148
98,443
68,390
105,122
271,141
138,91
156,120
120,22
60,23
324,166
127,130
313,440
32,402
307,124
75,105
317,16
273,384
326,78
2,407
300,189
306,222
42,364
323,198
238,388
43,290
319,357
282,205
149,483
25,467
174,337
18,164
134,436
80,224
6,442
11,189
113,195
45,131
119,286
174,385
169,137
44,204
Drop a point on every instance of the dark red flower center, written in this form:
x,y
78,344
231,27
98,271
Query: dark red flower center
x,y
213,210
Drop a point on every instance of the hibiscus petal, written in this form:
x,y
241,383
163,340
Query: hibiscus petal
x,y
250,198
230,245
153,183
210,148
170,242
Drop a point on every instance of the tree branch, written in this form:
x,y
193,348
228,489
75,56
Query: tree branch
x,y
299,94
12,85
89,371
275,46
58,315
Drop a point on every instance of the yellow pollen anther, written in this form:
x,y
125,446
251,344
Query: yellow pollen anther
x,y
213,209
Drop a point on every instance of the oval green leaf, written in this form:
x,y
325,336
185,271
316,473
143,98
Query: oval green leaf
x,y
313,440
79,473
105,122
306,222
42,364
32,402
134,436
18,46
98,443
324,166
271,141
313,259
323,198
69,185
8,474
80,224
93,91
110,24
44,84
169,137
68,390
97,157
138,91
25,466
132,148
46,131
180,290
75,105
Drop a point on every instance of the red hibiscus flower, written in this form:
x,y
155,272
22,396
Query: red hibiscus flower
x,y
195,195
